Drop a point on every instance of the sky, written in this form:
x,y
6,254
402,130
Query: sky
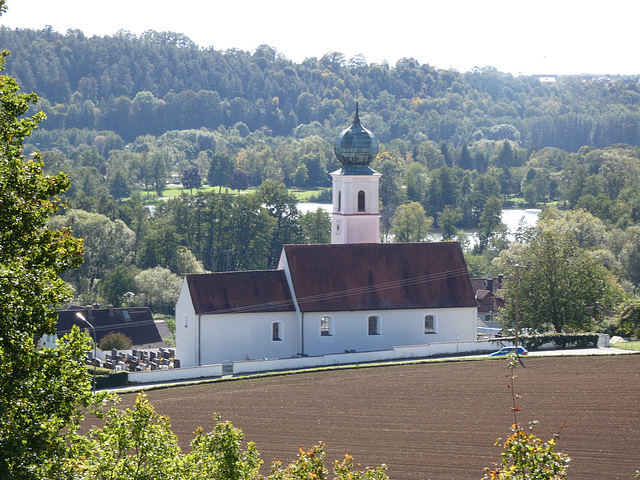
x,y
558,37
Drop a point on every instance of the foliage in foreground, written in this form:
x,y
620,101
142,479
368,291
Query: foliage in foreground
x,y
525,455
138,443
42,391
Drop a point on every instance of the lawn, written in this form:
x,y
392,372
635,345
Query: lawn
x,y
632,345
430,420
172,191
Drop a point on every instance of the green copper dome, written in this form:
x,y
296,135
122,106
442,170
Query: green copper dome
x,y
356,146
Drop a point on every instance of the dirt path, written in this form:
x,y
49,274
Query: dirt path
x,y
430,421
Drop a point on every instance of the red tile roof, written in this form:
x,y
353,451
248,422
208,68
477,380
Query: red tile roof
x,y
236,292
379,276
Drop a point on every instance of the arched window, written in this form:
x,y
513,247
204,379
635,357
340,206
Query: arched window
x,y
361,205
374,325
276,331
429,324
326,326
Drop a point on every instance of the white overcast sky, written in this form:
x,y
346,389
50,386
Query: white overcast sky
x,y
515,36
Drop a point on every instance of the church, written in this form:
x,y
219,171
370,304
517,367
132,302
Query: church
x,y
353,295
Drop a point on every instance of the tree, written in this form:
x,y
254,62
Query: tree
x,y
221,170
158,172
191,178
300,176
159,288
116,283
42,391
108,244
447,221
239,180
490,223
555,284
465,162
281,206
118,186
316,226
629,313
410,223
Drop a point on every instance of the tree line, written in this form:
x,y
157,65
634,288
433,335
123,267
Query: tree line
x,y
158,81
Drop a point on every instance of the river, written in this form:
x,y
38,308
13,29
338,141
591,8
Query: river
x,y
510,217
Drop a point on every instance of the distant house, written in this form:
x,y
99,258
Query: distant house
x,y
488,302
136,323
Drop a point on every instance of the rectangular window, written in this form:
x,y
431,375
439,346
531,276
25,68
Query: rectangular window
x,y
276,331
374,325
429,324
326,326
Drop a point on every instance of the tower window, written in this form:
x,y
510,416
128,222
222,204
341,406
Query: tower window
x,y
339,200
361,205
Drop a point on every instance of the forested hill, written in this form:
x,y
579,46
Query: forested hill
x,y
155,82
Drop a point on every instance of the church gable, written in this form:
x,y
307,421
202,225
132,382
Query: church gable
x,y
238,292
379,276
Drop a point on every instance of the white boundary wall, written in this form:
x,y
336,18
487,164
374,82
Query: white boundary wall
x,y
294,363
172,374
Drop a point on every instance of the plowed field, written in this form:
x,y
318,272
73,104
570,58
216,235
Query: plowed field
x,y
433,420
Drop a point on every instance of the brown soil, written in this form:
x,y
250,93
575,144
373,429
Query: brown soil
x,y
431,420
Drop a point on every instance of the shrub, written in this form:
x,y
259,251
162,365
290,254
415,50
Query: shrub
x,y
113,379
558,340
116,340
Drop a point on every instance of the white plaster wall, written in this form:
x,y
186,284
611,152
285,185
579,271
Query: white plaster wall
x,y
241,336
348,224
186,329
397,328
350,185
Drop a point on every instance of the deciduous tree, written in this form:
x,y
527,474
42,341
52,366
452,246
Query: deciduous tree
x,y
191,178
559,281
410,223
41,390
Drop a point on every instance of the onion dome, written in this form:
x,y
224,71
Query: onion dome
x,y
356,146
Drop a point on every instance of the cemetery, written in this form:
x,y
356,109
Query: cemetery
x,y
135,360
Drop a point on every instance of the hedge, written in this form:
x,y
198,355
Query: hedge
x,y
112,380
558,340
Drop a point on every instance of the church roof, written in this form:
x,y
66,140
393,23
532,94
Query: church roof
x,y
379,276
238,292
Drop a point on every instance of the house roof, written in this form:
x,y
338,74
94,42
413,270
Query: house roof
x,y
379,276
237,292
136,323
487,288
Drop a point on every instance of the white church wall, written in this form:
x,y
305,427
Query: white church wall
x,y
186,328
245,336
350,330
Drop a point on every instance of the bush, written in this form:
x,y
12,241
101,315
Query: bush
x,y
558,340
116,340
112,380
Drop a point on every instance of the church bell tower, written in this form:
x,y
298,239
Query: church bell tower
x,y
356,216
